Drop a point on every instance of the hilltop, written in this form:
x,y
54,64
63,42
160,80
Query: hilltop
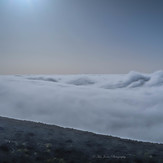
x,y
24,141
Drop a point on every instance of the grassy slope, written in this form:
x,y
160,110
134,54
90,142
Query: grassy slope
x,y
23,141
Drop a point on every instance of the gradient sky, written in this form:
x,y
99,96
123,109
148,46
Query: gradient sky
x,y
80,36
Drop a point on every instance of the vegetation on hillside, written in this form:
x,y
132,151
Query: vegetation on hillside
x,y
23,141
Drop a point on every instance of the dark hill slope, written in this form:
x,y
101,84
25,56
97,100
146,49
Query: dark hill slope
x,y
30,142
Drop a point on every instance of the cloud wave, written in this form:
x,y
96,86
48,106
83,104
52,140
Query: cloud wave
x,y
128,105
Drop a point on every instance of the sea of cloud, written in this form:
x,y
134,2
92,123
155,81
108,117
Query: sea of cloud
x,y
127,105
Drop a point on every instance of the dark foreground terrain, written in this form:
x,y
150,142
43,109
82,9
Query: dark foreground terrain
x,y
29,142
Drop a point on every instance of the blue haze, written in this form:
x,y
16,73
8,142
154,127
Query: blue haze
x,y
80,36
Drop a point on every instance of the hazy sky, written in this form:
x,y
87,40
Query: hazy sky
x,y
80,36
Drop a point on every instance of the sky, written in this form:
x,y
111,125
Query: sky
x,y
80,36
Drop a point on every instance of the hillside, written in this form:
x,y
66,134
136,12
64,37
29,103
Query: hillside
x,y
24,141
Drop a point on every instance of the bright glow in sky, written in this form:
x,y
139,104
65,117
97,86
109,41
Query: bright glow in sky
x,y
60,36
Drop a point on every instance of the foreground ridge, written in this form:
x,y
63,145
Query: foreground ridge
x,y
24,141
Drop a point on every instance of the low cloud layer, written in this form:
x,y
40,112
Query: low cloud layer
x,y
128,105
